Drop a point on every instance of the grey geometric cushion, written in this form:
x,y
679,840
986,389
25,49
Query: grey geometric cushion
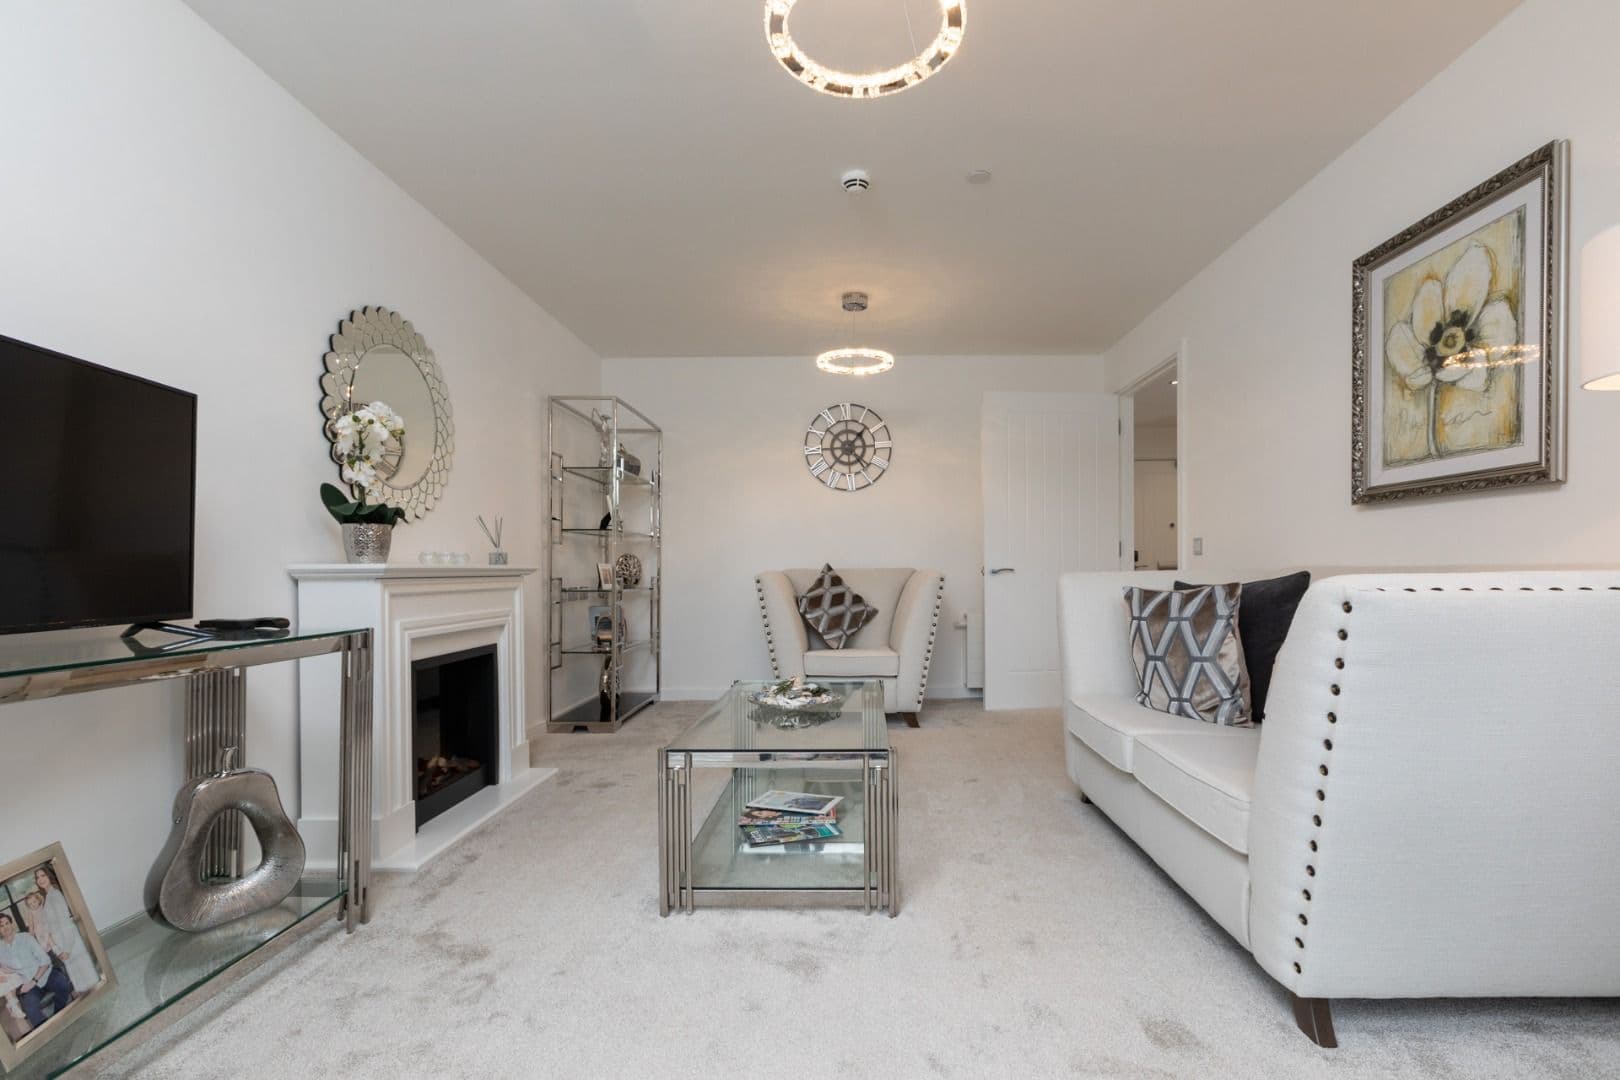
x,y
1188,653
833,609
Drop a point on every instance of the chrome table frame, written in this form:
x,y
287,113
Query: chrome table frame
x,y
214,716
880,888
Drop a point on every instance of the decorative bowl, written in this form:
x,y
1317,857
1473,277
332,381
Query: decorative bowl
x,y
796,695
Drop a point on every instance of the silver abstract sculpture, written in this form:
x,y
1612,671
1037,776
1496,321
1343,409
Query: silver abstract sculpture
x,y
627,568
177,894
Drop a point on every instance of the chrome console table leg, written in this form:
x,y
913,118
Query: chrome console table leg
x,y
665,845
881,835
892,819
675,892
354,781
683,833
216,721
869,800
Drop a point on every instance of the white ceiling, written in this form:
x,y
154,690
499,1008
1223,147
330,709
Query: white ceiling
x,y
646,172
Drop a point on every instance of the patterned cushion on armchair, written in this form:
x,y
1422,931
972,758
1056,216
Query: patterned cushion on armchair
x,y
833,609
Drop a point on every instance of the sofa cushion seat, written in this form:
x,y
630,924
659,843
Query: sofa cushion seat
x,y
1207,776
1110,724
852,663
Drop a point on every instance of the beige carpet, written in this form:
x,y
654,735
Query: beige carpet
x,y
1036,941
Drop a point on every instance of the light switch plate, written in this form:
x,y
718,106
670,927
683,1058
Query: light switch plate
x,y
1198,545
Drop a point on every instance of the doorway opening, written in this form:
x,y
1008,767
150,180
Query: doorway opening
x,y
1155,487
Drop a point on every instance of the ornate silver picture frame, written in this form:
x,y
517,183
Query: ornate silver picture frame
x,y
1458,350
52,963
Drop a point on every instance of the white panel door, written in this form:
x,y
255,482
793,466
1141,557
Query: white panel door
x,y
1051,475
1156,515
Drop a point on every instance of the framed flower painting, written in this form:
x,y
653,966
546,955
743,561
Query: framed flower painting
x,y
1459,365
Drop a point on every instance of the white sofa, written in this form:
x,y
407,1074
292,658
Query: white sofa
x,y
1431,807
895,648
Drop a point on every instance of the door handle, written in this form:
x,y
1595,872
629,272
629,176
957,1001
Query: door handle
x,y
1004,570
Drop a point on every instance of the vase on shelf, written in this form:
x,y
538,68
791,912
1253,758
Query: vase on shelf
x,y
367,543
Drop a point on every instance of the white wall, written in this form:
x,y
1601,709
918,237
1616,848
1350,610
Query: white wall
x,y
738,498
1265,380
1155,442
168,210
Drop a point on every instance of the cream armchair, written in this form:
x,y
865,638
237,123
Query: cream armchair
x,y
895,648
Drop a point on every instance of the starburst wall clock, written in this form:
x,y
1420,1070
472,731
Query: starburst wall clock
x,y
847,447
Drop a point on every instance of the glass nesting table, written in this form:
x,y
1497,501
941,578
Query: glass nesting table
x,y
740,750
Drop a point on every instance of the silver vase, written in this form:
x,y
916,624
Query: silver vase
x,y
367,543
177,895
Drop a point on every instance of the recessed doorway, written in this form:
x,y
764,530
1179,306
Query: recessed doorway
x,y
1155,486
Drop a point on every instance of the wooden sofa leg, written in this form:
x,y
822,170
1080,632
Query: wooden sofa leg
x,y
1315,1018
910,718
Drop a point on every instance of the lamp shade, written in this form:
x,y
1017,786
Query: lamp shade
x,y
1600,311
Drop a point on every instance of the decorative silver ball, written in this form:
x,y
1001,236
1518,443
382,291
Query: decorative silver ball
x,y
627,569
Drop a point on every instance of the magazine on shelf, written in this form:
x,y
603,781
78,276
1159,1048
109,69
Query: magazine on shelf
x,y
796,802
777,817
763,835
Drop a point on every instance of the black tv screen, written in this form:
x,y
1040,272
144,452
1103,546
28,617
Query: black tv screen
x,y
97,494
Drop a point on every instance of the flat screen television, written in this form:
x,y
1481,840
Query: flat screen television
x,y
98,482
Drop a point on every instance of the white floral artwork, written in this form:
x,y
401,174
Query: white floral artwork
x,y
1458,366
1453,380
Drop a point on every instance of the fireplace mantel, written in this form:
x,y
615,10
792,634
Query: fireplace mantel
x,y
402,571
414,612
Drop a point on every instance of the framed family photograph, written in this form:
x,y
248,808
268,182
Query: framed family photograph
x,y
1459,365
52,964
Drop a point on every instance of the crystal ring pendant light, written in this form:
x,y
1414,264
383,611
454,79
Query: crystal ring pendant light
x,y
828,80
857,360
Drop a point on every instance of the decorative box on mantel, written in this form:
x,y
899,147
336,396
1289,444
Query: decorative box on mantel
x,y
416,614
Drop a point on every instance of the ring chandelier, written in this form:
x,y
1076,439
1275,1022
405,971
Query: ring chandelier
x,y
855,361
873,84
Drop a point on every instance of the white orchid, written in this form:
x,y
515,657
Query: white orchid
x,y
363,440
387,417
1454,331
361,475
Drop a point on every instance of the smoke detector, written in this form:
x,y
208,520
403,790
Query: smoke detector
x,y
854,301
856,181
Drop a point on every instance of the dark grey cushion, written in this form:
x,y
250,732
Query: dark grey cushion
x,y
834,610
1264,616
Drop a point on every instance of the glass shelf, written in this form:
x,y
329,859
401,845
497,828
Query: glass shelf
x,y
156,966
723,859
588,714
61,651
627,533
603,474
586,591
585,650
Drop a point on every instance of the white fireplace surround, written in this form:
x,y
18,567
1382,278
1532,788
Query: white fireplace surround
x,y
414,612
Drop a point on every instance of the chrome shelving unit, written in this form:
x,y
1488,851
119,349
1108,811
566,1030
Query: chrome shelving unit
x,y
577,494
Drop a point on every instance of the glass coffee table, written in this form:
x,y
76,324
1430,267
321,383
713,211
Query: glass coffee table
x,y
740,750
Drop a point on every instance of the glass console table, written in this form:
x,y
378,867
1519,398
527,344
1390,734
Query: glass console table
x,y
155,966
842,749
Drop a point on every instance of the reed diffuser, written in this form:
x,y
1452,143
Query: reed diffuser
x,y
496,557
